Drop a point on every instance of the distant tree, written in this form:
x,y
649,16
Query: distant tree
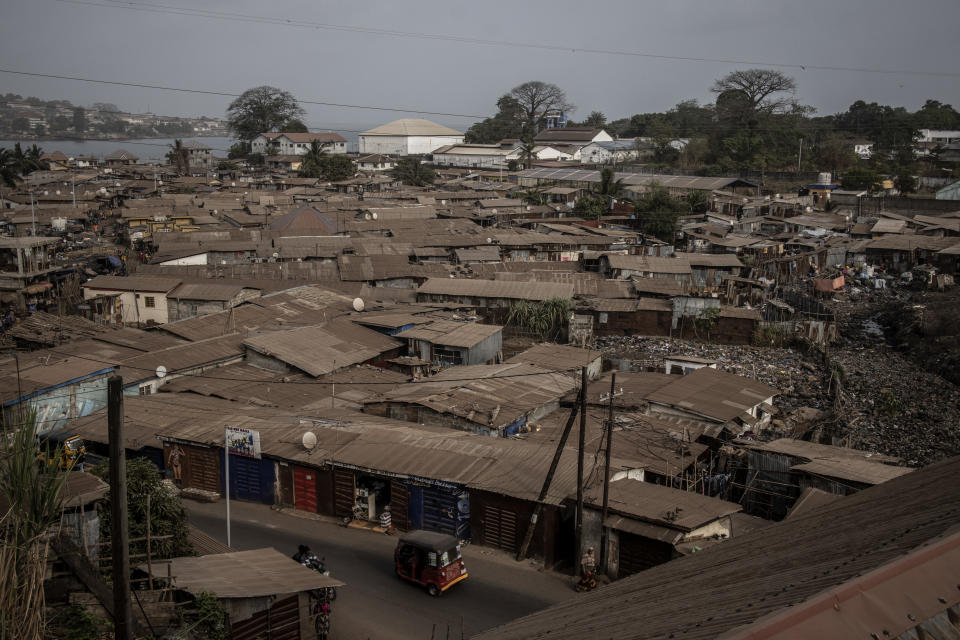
x,y
9,169
591,207
412,172
763,89
936,115
508,123
532,196
79,120
295,125
609,186
698,201
860,178
261,109
61,123
317,163
905,181
535,98
20,124
179,156
658,211
239,150
596,120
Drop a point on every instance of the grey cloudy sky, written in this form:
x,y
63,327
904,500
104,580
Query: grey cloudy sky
x,y
116,43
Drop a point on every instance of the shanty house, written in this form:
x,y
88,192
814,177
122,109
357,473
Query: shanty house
x,y
142,299
189,300
448,343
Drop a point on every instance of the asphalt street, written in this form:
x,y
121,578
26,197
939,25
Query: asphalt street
x,y
375,604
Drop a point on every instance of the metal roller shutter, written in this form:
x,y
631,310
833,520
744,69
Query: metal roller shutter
x,y
305,489
344,492
399,502
245,478
499,528
439,510
285,619
202,468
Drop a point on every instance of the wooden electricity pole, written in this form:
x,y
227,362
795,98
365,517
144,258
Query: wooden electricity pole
x,y
122,612
604,530
580,446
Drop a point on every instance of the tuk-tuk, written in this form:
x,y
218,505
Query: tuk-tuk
x,y
71,456
430,559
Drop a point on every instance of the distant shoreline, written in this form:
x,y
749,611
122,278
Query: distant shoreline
x,y
13,136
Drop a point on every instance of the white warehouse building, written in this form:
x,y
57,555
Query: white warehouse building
x,y
407,137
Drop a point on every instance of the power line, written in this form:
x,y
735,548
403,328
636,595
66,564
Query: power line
x,y
227,94
306,24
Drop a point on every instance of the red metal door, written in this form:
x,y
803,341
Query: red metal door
x,y
305,489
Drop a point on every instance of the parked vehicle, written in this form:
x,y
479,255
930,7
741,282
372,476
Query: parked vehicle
x,y
308,559
430,559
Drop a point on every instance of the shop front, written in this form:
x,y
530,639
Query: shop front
x,y
415,503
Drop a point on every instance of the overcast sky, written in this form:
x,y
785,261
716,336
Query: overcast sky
x,y
114,43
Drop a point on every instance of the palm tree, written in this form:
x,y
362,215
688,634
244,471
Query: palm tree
x,y
412,172
609,185
179,155
314,160
532,196
9,171
26,161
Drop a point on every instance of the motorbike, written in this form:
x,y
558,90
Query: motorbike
x,y
311,561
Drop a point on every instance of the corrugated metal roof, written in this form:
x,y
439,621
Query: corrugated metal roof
x,y
556,357
629,179
450,333
496,289
774,569
183,357
243,574
411,127
713,393
661,505
215,292
321,349
132,283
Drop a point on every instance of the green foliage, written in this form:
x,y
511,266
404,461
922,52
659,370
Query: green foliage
x,y
905,182
658,211
261,109
596,120
205,618
295,125
860,178
705,321
179,156
76,622
698,201
591,207
32,489
889,403
508,123
168,517
239,150
546,318
411,171
317,163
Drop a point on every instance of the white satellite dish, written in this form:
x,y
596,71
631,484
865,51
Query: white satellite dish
x,y
374,216
489,240
358,304
276,255
161,371
309,440
58,191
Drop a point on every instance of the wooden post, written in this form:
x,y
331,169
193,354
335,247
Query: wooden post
x,y
149,564
122,612
604,530
580,446
538,508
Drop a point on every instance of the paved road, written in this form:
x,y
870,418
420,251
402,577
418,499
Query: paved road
x,y
375,604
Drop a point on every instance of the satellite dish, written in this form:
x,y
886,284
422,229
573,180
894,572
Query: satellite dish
x,y
58,191
309,440
489,240
367,216
276,255
161,371
358,304
374,216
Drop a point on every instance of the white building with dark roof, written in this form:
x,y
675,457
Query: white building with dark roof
x,y
408,136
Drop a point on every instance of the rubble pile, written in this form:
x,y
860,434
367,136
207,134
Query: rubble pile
x,y
893,406
800,379
888,404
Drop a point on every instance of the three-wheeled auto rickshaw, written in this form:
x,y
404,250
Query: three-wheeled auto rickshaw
x,y
430,559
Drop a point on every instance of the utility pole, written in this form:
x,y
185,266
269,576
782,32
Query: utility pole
x,y
800,156
604,530
120,546
582,443
33,217
226,481
538,508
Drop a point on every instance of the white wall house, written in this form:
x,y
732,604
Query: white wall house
x,y
572,135
290,144
604,151
477,156
864,150
408,136
141,300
